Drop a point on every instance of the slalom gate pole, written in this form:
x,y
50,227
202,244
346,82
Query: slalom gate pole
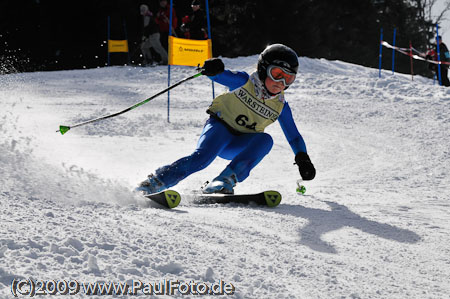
x,y
439,55
411,60
393,52
379,57
168,64
64,129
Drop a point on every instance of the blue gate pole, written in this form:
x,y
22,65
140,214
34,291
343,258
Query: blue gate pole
x,y
439,55
209,36
393,52
379,57
107,44
207,19
168,64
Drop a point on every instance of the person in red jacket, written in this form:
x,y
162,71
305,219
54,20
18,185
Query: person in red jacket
x,y
431,55
163,20
185,27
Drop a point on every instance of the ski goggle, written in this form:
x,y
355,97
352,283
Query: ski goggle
x,y
279,74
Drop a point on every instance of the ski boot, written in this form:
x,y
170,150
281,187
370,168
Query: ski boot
x,y
223,184
151,185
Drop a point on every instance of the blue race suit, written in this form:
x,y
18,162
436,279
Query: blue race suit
x,y
244,150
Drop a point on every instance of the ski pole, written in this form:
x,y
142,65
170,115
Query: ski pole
x,y
64,129
301,190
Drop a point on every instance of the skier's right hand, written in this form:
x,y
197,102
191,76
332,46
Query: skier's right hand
x,y
306,168
212,67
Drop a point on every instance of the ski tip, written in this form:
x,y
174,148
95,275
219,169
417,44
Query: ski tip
x,y
63,129
173,198
273,198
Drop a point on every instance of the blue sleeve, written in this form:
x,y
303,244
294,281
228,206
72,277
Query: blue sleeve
x,y
290,130
231,79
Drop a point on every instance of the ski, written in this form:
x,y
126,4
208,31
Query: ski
x,y
168,198
267,198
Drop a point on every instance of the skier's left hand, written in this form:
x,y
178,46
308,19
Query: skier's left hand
x,y
213,66
306,168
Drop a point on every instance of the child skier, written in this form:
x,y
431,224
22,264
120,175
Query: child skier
x,y
235,129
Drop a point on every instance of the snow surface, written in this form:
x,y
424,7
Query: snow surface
x,y
373,224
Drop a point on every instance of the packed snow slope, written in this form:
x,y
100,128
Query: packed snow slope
x,y
374,223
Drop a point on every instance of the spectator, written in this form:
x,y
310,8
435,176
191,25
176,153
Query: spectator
x,y
185,27
445,57
195,25
163,20
150,37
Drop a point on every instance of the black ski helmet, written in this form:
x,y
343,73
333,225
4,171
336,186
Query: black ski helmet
x,y
279,55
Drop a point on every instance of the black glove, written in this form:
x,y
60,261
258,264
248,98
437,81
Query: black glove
x,y
212,67
306,168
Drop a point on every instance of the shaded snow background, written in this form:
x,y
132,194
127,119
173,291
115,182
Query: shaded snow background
x,y
374,222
